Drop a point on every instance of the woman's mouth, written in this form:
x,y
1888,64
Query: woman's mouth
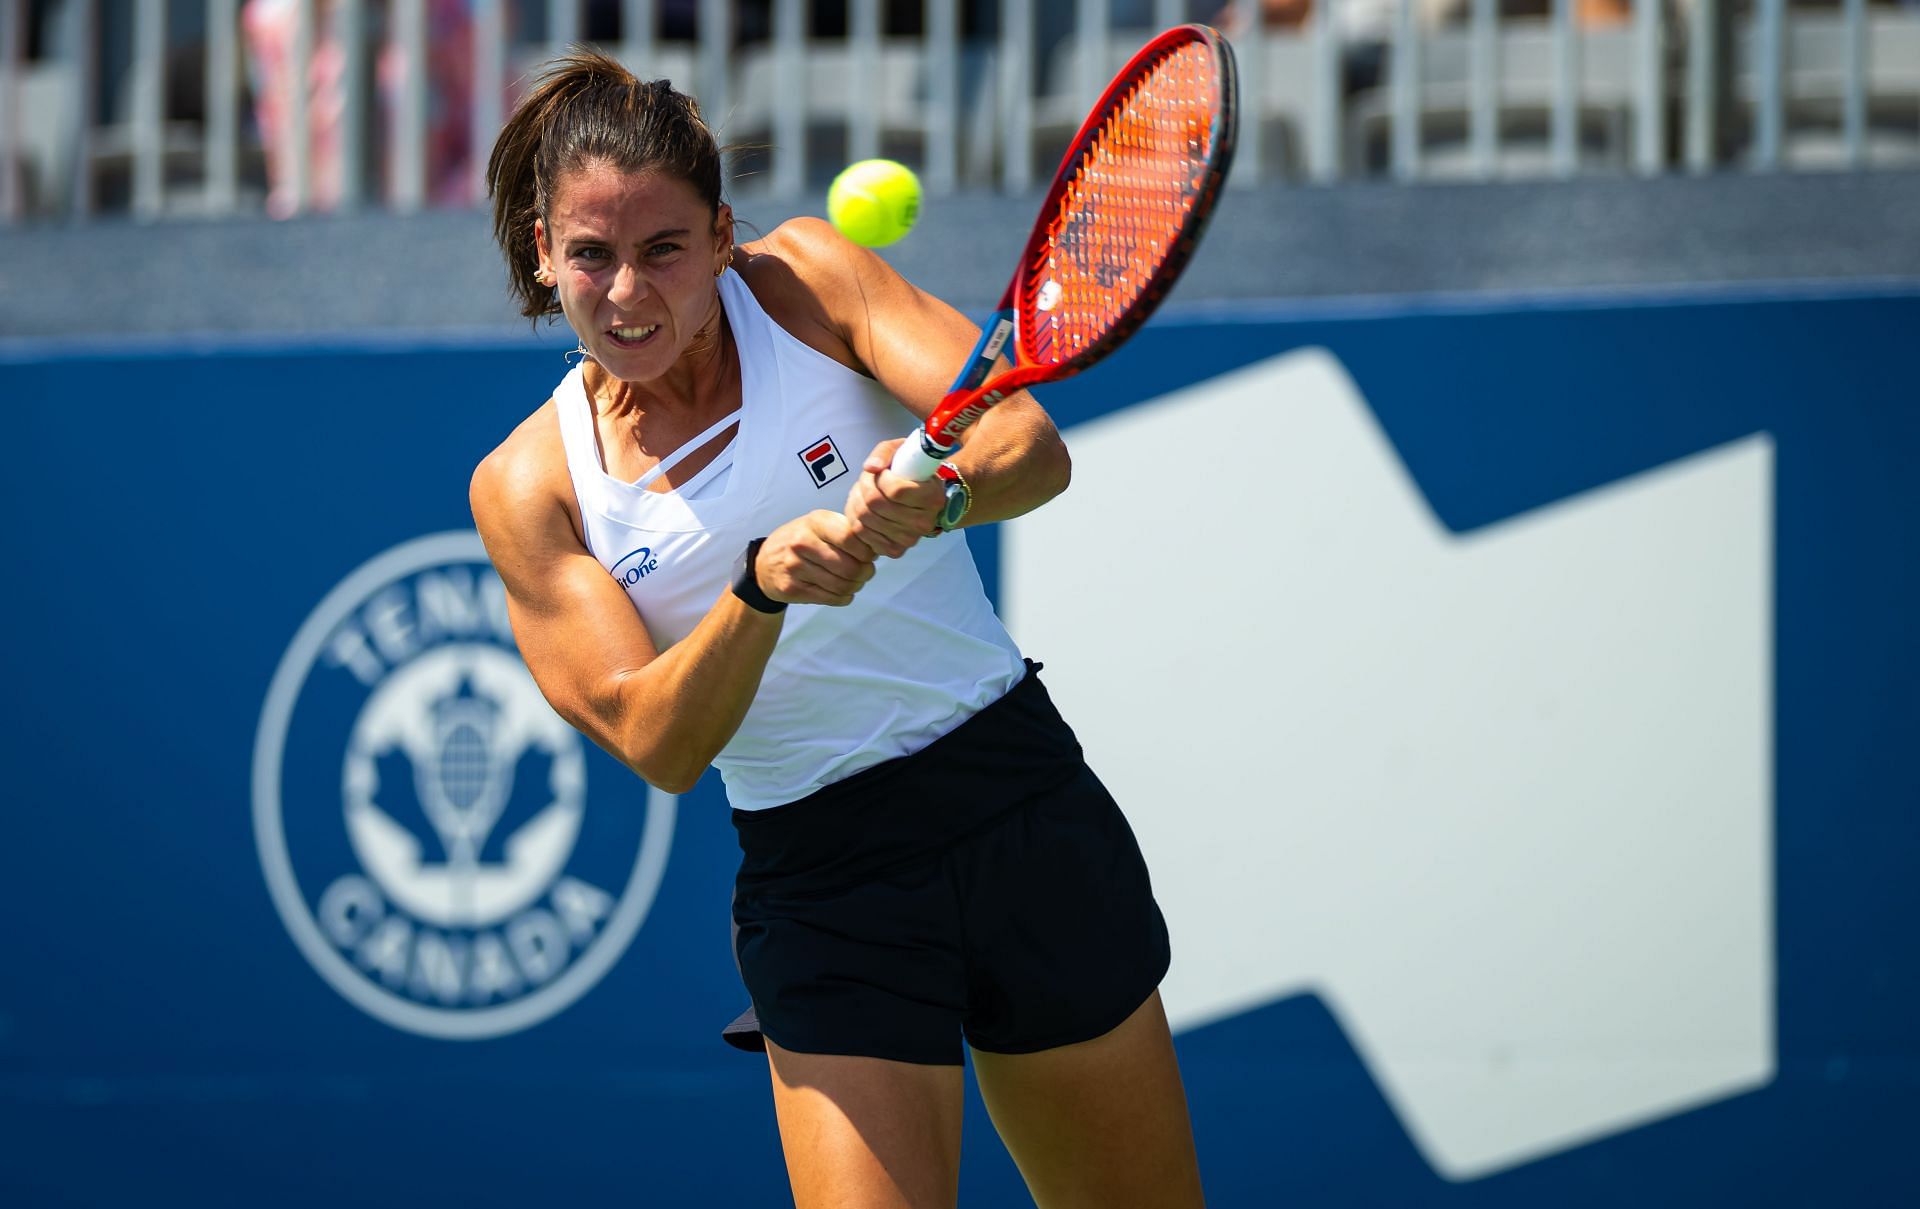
x,y
632,337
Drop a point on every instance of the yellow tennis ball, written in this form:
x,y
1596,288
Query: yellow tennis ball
x,y
874,202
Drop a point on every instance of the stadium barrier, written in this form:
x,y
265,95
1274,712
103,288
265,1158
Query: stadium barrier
x,y
189,109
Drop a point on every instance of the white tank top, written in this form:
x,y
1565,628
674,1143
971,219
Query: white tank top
x,y
918,652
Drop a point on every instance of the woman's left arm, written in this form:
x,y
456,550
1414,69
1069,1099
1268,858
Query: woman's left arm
x,y
913,344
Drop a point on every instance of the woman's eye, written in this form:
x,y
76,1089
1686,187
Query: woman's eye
x,y
663,249
589,253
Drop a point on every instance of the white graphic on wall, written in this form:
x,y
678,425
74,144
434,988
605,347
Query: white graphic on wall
x,y
1502,800
423,816
461,718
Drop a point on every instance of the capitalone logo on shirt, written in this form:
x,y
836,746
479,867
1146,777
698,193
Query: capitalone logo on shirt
x,y
636,566
425,820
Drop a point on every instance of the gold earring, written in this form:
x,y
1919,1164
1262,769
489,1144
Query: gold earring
x,y
724,265
541,276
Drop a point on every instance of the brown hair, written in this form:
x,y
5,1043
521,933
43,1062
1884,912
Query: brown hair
x,y
585,108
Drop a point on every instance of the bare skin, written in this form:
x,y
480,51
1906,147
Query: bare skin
x,y
866,1133
1098,1125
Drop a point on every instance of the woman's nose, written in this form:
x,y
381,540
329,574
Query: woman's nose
x,y
628,286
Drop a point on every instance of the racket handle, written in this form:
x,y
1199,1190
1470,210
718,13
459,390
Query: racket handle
x,y
918,458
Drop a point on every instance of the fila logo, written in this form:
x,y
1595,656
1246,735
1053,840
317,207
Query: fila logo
x,y
823,461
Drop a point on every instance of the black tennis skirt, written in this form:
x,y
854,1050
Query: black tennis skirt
x,y
986,887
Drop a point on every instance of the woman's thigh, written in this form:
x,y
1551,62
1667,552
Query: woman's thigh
x,y
1102,1123
868,1133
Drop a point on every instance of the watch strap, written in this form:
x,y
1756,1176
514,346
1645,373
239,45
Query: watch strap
x,y
746,583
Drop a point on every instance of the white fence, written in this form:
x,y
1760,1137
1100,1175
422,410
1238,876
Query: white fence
x,y
176,107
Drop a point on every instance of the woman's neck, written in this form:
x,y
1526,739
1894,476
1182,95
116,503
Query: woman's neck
x,y
704,379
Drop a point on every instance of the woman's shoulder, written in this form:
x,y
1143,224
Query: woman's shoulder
x,y
804,274
525,473
806,248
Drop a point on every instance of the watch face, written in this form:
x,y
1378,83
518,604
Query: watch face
x,y
956,508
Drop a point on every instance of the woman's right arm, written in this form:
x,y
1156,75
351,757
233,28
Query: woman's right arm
x,y
665,714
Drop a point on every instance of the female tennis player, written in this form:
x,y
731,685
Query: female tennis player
x,y
708,561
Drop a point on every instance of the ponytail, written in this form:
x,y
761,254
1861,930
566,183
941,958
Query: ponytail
x,y
585,108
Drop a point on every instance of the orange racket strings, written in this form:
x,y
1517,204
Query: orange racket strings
x,y
1122,213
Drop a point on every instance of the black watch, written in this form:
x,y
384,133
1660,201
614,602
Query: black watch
x,y
746,585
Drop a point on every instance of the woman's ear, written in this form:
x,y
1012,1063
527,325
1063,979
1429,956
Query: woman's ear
x,y
723,234
544,267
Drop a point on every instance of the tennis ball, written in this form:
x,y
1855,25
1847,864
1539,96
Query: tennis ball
x,y
874,202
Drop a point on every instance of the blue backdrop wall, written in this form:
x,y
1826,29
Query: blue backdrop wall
x,y
177,517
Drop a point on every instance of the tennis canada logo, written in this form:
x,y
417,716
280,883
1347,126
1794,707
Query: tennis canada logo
x,y
425,820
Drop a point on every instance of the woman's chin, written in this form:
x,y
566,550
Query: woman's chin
x,y
632,362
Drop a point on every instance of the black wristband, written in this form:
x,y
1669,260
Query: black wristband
x,y
746,585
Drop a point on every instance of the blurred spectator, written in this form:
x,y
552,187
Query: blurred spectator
x,y
753,19
449,135
1362,20
1588,14
1365,27
1596,14
679,20
1356,20
268,27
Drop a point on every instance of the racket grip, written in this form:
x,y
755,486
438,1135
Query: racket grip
x,y
918,458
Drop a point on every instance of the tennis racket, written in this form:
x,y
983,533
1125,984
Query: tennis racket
x,y
1125,212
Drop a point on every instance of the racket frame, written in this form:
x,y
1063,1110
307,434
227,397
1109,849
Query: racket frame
x,y
971,395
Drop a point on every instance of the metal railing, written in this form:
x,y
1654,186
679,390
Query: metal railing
x,y
404,96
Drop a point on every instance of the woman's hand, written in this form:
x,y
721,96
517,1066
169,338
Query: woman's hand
x,y
814,559
888,512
